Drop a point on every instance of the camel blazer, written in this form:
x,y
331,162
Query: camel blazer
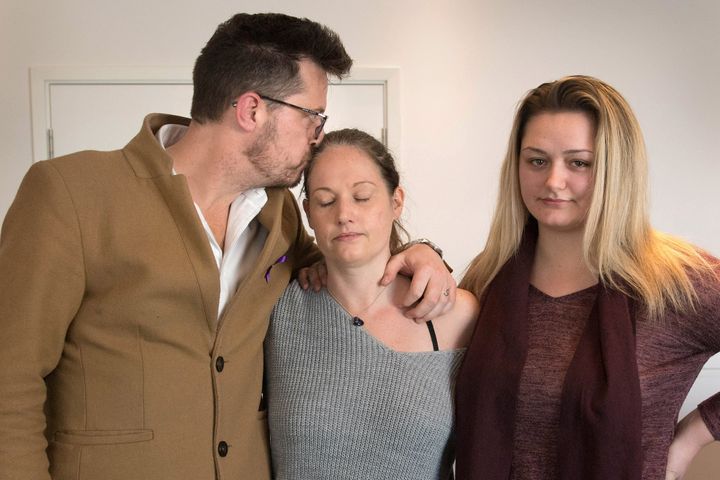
x,y
113,364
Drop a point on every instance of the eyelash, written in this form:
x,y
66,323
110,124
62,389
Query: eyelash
x,y
539,162
327,204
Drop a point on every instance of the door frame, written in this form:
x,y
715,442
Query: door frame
x,y
42,78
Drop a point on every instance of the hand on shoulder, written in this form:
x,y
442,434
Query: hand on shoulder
x,y
454,328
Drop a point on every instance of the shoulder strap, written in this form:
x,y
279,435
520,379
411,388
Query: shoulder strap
x,y
433,337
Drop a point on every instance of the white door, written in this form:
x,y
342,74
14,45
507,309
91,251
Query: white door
x,y
102,108
105,116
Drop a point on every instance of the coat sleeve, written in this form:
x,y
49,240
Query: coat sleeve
x,y
710,413
41,288
306,252
706,331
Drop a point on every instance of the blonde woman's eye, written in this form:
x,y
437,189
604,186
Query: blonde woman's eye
x,y
362,199
538,162
580,164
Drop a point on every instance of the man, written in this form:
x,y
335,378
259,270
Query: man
x,y
136,284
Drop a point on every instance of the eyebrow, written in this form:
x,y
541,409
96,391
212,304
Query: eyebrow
x,y
354,185
540,150
317,109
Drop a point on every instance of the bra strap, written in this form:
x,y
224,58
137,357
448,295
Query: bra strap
x,y
433,337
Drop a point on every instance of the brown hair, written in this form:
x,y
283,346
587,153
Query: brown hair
x,y
380,156
260,53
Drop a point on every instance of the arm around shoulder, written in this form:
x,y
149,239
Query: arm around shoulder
x,y
432,288
709,412
456,327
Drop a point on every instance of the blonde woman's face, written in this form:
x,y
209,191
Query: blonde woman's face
x,y
555,170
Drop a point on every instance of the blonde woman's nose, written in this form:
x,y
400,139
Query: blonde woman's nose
x,y
557,176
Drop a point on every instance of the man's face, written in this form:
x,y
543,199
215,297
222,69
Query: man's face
x,y
282,149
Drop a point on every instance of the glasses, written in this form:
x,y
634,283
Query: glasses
x,y
323,118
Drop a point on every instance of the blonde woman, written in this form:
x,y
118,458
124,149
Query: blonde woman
x,y
356,390
593,326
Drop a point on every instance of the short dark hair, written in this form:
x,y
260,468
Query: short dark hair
x,y
380,155
260,53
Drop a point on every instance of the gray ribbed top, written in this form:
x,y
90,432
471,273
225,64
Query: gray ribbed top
x,y
341,405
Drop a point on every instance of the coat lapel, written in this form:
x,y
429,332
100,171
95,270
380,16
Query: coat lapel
x,y
276,244
278,241
177,196
150,161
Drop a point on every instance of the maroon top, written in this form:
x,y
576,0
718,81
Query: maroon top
x,y
669,353
599,432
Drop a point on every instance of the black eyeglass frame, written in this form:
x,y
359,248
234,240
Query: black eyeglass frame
x,y
323,117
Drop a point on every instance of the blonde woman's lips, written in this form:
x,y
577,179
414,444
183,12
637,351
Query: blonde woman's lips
x,y
554,201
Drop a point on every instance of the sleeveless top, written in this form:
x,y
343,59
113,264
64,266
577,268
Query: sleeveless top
x,y
342,405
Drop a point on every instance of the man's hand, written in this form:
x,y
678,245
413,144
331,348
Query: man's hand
x,y
432,284
314,276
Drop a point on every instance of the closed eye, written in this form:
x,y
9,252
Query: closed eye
x,y
324,202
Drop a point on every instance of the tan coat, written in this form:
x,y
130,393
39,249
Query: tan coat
x,y
108,305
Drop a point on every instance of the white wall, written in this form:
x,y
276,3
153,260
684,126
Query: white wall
x,y
464,65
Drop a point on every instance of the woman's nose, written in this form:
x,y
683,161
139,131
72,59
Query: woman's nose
x,y
557,177
344,211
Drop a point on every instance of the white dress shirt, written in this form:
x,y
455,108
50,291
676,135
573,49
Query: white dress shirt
x,y
244,235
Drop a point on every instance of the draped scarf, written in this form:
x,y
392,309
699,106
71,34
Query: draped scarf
x,y
599,434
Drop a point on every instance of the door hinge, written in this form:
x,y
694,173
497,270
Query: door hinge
x,y
50,143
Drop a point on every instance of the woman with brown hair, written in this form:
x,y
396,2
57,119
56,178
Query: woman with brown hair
x,y
356,390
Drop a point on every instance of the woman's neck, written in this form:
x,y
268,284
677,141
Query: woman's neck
x,y
357,288
559,266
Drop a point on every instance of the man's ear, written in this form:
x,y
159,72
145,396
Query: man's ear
x,y
248,111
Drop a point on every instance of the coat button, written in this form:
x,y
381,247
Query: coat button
x,y
219,364
222,449
357,321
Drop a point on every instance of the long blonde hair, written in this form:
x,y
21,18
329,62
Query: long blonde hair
x,y
619,243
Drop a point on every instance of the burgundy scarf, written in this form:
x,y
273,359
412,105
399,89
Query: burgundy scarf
x,y
600,424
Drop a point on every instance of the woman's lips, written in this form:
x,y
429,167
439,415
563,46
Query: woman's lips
x,y
556,202
346,237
